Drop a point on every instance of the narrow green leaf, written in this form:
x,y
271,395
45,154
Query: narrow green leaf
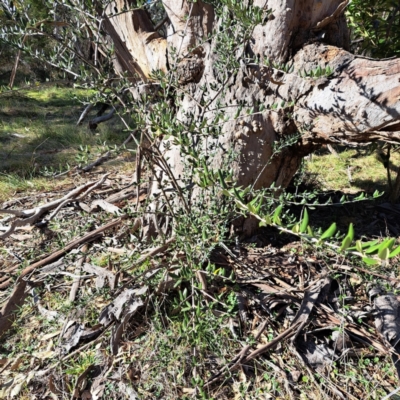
x,y
370,261
345,244
251,208
304,222
395,252
350,233
389,244
372,249
221,179
363,245
359,246
386,244
310,231
329,232
384,254
296,228
237,195
277,212
267,220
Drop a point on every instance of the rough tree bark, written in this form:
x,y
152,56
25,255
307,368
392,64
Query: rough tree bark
x,y
358,103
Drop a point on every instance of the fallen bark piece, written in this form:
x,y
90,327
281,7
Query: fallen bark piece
x,y
120,304
387,322
102,275
105,206
78,268
7,314
126,194
312,297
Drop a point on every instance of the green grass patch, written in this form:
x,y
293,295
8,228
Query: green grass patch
x,y
39,136
352,171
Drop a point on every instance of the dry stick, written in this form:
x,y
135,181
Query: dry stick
x,y
289,332
48,206
241,357
171,210
294,351
103,158
84,114
81,197
367,271
138,173
56,255
99,161
77,351
35,213
173,179
151,253
75,284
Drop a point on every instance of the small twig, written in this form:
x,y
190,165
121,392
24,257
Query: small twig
x,y
151,253
84,114
75,284
33,214
241,357
84,239
99,161
81,197
391,394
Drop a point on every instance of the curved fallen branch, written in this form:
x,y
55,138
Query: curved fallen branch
x,y
31,216
84,239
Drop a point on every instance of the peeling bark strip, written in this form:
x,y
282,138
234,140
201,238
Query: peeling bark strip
x,y
357,103
387,322
7,314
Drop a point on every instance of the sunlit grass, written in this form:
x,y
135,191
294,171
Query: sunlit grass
x,y
351,171
39,136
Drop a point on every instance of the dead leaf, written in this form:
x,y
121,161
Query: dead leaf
x,y
49,315
77,332
52,386
17,362
21,238
115,309
188,390
116,251
312,297
120,328
49,336
44,354
82,382
128,391
102,274
105,206
84,207
387,322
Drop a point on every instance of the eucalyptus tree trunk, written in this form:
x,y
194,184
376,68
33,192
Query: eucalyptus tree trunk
x,y
357,103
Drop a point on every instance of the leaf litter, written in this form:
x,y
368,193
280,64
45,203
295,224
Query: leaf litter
x,y
80,321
